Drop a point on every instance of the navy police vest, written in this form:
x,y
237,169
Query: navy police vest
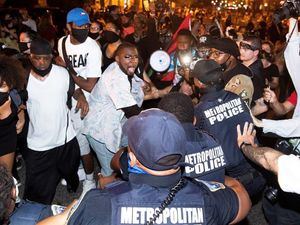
x,y
205,155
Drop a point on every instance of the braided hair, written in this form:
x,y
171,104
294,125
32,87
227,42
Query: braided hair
x,y
6,186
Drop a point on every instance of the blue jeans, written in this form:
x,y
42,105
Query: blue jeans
x,y
103,154
29,213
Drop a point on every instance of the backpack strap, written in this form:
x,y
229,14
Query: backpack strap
x,y
71,70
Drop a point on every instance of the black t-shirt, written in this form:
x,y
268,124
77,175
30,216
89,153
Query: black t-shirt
x,y
105,60
238,69
258,79
271,71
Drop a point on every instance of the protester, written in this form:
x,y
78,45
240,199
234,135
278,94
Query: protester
x,y
117,96
53,151
83,57
12,118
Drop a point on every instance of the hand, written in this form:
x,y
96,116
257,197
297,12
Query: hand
x,y
269,96
59,61
186,88
146,87
21,122
83,106
247,136
103,181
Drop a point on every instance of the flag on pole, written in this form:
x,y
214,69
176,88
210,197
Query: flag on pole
x,y
186,24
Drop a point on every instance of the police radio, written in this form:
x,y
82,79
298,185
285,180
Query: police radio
x,y
160,61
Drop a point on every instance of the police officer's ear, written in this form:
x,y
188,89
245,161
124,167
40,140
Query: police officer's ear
x,y
194,121
133,160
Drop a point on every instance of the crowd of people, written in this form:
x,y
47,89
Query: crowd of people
x,y
169,143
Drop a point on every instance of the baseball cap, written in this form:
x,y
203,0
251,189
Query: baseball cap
x,y
78,16
241,85
207,71
157,139
205,41
226,45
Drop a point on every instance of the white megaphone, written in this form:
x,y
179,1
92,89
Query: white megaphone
x,y
160,61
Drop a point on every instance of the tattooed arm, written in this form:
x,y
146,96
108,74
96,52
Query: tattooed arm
x,y
263,156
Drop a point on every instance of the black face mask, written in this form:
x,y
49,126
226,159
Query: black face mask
x,y
224,65
42,73
110,36
3,97
23,46
94,35
80,34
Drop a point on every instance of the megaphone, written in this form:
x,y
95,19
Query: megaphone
x,y
160,61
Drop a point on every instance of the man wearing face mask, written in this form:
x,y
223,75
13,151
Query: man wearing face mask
x,y
53,151
85,57
218,113
225,52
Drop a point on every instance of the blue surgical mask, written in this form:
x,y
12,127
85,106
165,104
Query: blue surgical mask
x,y
135,169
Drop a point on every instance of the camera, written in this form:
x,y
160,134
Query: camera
x,y
271,194
290,8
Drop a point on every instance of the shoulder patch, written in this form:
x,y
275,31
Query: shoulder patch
x,y
213,186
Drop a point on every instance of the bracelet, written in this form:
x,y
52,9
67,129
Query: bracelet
x,y
244,144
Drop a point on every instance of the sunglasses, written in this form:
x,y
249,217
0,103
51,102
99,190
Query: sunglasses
x,y
216,53
246,46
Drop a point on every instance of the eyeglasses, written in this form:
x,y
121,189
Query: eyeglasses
x,y
246,46
216,53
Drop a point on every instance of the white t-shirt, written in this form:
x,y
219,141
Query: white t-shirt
x,y
112,93
288,173
86,59
47,110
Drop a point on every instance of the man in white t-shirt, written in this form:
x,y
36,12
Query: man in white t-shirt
x,y
85,57
53,151
116,97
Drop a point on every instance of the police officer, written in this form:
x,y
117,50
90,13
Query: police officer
x,y
219,112
203,151
156,192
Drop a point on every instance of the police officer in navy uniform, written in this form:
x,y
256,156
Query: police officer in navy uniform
x,y
219,112
156,191
203,150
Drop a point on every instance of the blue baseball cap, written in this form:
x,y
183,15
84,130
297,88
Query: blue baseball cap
x,y
78,16
157,139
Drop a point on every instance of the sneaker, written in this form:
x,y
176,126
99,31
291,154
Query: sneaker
x,y
88,185
57,209
81,175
